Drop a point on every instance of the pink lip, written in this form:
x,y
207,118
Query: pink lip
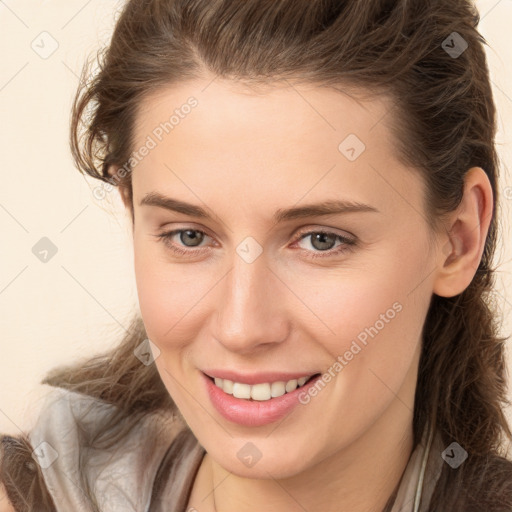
x,y
254,413
256,378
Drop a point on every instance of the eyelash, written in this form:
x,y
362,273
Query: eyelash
x,y
349,244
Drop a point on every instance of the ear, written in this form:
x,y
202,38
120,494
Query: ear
x,y
466,234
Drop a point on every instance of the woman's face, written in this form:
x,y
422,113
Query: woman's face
x,y
251,285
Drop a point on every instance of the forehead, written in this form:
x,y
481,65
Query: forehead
x,y
273,113
301,139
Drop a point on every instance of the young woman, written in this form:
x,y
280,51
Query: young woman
x,y
313,191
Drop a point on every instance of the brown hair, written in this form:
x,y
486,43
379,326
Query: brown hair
x,y
444,122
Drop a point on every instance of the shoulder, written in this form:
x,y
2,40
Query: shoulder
x,y
72,460
20,479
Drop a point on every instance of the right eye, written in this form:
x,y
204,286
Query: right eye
x,y
192,236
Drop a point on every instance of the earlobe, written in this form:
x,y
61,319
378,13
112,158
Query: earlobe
x,y
465,237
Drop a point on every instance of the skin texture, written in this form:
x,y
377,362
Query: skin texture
x,y
242,155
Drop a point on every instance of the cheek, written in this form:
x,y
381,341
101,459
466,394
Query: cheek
x,y
170,294
158,290
372,317
377,334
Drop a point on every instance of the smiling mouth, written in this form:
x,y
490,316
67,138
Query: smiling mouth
x,y
260,392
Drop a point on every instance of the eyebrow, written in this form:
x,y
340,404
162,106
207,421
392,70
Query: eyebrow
x,y
324,208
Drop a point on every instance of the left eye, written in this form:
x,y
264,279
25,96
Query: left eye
x,y
322,241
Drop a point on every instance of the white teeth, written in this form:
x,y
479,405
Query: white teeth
x,y
277,389
241,390
227,386
291,385
261,392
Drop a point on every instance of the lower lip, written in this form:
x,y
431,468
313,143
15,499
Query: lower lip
x,y
254,413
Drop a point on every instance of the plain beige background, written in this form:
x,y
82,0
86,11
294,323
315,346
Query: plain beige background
x,y
79,302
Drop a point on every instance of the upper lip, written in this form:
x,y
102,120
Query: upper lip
x,y
256,378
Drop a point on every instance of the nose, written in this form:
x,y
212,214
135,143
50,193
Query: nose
x,y
251,310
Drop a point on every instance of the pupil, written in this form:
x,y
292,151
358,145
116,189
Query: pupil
x,y
196,240
321,237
